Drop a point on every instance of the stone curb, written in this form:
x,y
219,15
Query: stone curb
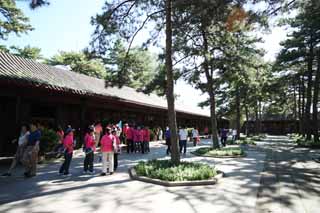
x,y
209,156
213,181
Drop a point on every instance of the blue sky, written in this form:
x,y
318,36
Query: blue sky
x,y
65,25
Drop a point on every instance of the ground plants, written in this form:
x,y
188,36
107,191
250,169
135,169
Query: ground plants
x,y
222,152
167,171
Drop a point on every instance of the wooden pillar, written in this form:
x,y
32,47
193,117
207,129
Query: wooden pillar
x,y
83,109
18,111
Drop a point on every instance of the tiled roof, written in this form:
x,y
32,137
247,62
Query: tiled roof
x,y
41,75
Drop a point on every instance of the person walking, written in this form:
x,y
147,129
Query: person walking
x,y
107,152
195,136
22,141
68,144
224,136
183,136
168,140
234,135
89,149
117,149
160,134
30,154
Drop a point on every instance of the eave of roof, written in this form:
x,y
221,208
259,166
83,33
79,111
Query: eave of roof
x,y
14,68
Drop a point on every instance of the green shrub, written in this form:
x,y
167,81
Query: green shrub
x,y
246,141
49,139
165,170
226,151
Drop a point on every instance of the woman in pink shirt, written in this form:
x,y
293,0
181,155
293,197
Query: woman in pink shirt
x,y
146,139
116,149
129,138
68,146
136,139
89,148
107,142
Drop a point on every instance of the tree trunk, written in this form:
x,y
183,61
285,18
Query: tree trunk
x,y
299,103
303,129
257,122
315,101
307,119
215,140
294,100
247,119
238,112
175,155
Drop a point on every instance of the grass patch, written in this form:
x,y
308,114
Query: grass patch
x,y
303,142
222,152
165,170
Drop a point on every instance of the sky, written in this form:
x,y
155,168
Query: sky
x,y
65,26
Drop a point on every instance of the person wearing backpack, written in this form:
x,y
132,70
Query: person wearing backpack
x,y
89,149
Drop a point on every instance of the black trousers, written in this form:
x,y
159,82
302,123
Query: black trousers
x,y
183,144
130,145
223,141
115,161
168,143
66,164
88,162
137,146
194,141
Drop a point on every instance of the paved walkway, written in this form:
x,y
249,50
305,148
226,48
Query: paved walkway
x,y
290,181
240,191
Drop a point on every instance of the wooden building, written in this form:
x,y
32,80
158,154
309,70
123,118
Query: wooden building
x,y
33,91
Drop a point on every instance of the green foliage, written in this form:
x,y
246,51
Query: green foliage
x,y
222,152
79,62
165,170
26,52
246,141
134,69
12,20
49,139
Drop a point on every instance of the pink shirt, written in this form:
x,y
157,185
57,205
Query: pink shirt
x,y
141,134
129,133
107,143
89,142
146,135
68,143
136,135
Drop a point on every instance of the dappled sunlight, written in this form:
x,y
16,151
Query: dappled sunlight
x,y
273,176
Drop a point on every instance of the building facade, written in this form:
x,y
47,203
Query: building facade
x,y
31,91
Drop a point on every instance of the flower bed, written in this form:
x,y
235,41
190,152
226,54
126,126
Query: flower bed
x,y
223,152
166,171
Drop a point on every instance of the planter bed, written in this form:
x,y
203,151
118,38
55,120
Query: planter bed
x,y
212,181
227,152
163,172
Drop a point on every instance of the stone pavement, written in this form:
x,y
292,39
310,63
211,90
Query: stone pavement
x,y
237,192
290,181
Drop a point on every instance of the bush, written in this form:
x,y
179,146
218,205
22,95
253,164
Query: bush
x,y
226,151
49,139
246,141
165,170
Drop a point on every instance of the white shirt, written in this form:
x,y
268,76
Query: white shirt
x,y
195,133
183,133
234,132
23,138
